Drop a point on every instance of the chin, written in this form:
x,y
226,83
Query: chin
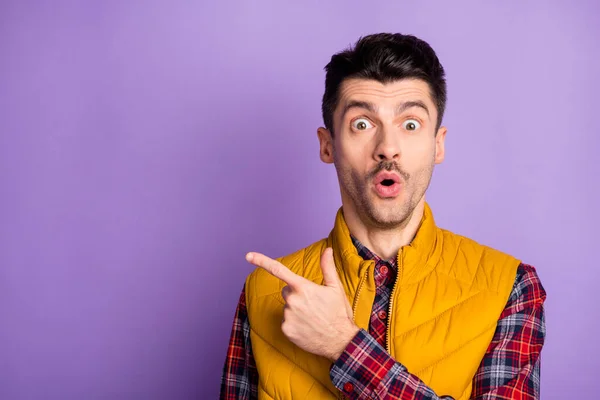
x,y
387,215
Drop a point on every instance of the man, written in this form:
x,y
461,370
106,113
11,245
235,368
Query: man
x,y
388,305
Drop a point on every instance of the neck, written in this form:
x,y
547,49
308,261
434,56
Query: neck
x,y
386,243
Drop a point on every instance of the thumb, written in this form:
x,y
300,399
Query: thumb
x,y
330,275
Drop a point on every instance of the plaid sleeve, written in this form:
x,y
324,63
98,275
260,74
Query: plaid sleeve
x,y
365,370
509,369
240,377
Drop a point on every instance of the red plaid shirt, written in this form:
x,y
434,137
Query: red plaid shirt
x,y
510,368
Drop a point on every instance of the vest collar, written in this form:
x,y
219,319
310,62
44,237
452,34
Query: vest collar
x,y
415,260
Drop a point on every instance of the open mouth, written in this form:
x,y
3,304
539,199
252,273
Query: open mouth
x,y
387,185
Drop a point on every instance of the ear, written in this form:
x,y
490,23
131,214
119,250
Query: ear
x,y
440,139
325,145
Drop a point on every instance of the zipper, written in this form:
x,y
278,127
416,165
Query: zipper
x,y
360,285
387,339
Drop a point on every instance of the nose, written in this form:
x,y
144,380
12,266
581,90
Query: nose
x,y
388,146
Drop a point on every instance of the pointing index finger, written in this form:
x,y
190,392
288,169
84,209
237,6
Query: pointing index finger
x,y
275,268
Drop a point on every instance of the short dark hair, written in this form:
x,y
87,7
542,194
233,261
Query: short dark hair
x,y
384,57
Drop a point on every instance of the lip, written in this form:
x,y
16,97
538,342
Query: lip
x,y
384,191
383,175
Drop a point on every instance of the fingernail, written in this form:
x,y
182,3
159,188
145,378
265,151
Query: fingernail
x,y
249,257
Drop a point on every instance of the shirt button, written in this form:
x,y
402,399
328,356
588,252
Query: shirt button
x,y
382,315
384,270
348,387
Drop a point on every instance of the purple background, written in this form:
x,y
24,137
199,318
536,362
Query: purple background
x,y
146,146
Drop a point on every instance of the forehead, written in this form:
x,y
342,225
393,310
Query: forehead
x,y
385,94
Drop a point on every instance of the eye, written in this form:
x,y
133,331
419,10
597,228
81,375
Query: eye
x,y
361,124
411,125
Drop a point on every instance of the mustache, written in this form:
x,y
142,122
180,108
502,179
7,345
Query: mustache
x,y
388,166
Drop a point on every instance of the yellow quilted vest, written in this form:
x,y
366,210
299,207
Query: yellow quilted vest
x,y
444,309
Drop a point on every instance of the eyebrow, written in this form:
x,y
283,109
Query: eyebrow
x,y
365,105
410,104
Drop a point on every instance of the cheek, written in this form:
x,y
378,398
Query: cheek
x,y
350,157
424,146
418,156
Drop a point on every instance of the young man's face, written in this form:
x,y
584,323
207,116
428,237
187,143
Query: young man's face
x,y
384,148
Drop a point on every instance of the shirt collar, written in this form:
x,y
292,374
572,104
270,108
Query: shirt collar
x,y
367,254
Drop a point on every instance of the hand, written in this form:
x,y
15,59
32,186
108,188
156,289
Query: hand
x,y
316,318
